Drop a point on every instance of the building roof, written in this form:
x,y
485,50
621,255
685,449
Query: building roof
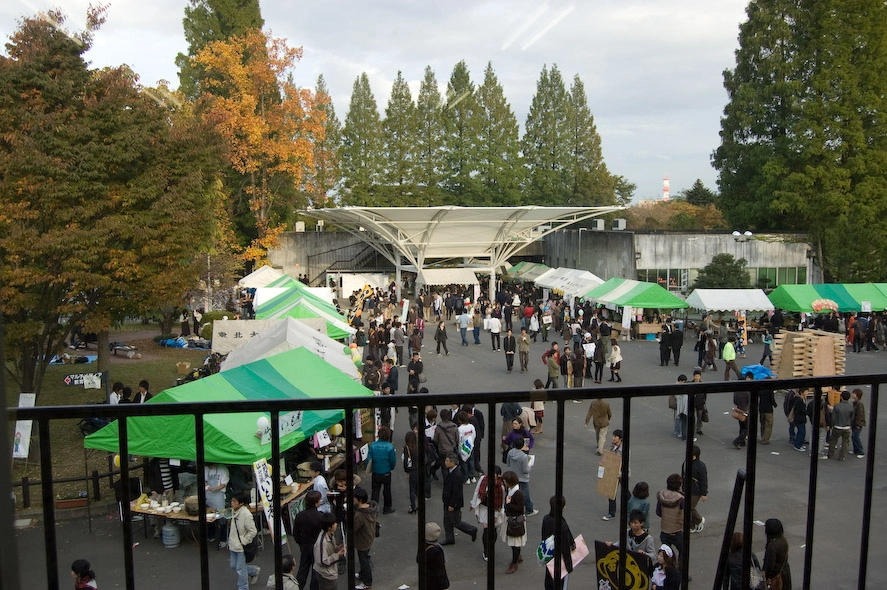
x,y
422,234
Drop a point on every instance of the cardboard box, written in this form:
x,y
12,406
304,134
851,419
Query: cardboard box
x,y
183,367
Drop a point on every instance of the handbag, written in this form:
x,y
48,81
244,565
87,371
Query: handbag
x,y
775,583
422,377
514,526
672,402
251,549
704,417
755,575
739,414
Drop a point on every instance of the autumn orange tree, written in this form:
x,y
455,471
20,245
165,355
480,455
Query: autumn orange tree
x,y
105,195
269,125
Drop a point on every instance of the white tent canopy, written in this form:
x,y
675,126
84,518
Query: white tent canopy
x,y
729,300
286,334
447,276
260,277
569,281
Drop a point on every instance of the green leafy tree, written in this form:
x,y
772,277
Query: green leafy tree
x,y
106,195
587,178
545,144
724,272
461,131
757,128
624,189
398,136
321,184
361,152
699,194
500,167
429,130
207,21
803,138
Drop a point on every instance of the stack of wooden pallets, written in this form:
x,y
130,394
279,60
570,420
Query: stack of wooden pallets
x,y
810,353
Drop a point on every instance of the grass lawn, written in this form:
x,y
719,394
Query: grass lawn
x,y
157,365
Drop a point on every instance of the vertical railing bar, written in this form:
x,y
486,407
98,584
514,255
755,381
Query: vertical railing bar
x,y
49,522
201,499
493,437
350,507
811,487
623,485
867,493
559,491
751,458
687,486
349,453
276,529
123,482
420,492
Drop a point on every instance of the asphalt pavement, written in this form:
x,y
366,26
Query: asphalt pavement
x,y
656,453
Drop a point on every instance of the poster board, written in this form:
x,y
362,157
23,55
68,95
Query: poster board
x,y
637,571
608,474
21,443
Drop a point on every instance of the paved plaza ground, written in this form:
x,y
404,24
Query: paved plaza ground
x,y
656,453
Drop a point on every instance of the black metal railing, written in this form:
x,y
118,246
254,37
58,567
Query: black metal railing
x,y
43,416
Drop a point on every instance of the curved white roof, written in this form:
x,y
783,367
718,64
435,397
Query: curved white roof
x,y
424,233
729,300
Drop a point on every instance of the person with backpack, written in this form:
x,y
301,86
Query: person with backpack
x,y
482,503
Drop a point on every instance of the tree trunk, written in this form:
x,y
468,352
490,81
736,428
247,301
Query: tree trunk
x,y
104,352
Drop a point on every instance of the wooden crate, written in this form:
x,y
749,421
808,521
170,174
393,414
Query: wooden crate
x,y
810,353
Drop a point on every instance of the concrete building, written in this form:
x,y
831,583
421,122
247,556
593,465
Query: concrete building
x,y
668,257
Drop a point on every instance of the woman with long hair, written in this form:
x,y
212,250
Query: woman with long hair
x,y
666,575
776,569
515,535
440,336
411,465
83,575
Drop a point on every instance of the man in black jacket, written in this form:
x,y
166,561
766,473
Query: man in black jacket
x,y
698,490
306,527
510,345
453,502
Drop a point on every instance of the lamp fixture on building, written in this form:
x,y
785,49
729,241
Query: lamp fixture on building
x,y
742,237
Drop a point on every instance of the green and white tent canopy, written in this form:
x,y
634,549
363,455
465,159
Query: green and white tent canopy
x,y
296,302
231,438
636,294
848,297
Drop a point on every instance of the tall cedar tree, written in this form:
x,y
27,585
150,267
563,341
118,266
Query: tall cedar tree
x,y
398,136
429,141
269,124
588,180
545,143
105,195
361,152
500,167
207,21
804,140
321,185
461,132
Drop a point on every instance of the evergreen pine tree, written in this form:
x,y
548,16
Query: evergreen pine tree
x,y
461,127
500,168
699,194
398,134
323,181
544,143
212,20
360,154
588,180
429,141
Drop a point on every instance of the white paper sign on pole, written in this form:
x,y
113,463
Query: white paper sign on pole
x,y
289,422
404,311
626,319
21,442
265,487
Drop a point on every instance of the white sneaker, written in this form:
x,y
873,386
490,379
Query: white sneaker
x,y
533,513
255,577
360,586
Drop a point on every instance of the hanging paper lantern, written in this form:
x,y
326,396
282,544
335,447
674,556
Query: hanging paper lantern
x,y
117,460
336,429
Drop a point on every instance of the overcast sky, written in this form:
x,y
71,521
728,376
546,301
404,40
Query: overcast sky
x,y
652,68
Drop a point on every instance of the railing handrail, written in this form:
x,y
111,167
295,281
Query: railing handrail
x,y
414,399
